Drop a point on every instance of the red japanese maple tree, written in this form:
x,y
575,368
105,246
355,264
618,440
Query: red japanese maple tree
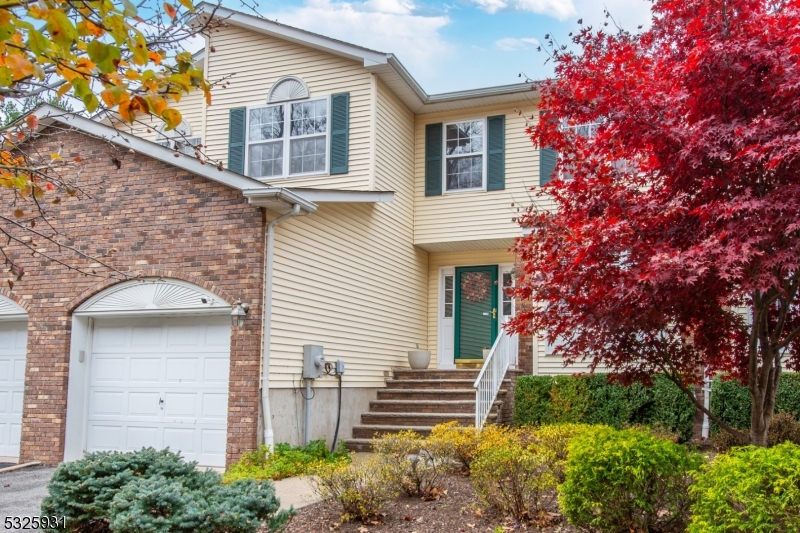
x,y
674,245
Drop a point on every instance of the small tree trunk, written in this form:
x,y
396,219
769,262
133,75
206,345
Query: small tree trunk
x,y
759,425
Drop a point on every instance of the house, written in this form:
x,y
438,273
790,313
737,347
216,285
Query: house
x,y
354,212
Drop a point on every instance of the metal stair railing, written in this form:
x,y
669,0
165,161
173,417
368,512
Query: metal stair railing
x,y
503,355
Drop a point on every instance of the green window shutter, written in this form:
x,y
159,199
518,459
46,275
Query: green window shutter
x,y
496,160
236,139
433,159
340,124
547,165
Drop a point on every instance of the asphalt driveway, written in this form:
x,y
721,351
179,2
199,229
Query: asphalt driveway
x,y
21,493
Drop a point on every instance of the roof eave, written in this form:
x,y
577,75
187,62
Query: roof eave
x,y
268,196
48,115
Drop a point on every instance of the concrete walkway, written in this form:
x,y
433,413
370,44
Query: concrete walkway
x,y
295,491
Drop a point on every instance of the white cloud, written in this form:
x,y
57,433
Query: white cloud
x,y
394,26
560,9
512,44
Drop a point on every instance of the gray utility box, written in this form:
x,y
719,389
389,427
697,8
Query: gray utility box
x,y
313,361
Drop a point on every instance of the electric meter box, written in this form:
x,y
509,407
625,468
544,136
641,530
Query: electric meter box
x,y
313,361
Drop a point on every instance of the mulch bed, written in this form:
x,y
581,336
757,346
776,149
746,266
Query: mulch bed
x,y
457,511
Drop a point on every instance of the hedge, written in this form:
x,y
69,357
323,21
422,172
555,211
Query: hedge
x,y
592,399
731,402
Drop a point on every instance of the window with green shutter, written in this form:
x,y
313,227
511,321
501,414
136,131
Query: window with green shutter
x,y
433,159
236,139
340,119
496,153
293,138
547,165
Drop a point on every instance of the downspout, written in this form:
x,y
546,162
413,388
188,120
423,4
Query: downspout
x,y
266,322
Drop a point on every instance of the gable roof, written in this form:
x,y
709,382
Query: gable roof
x,y
277,199
386,66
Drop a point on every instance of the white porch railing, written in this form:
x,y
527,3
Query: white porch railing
x,y
503,355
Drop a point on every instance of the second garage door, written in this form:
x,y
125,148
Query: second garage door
x,y
160,382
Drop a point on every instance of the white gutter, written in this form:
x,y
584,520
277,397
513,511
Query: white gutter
x,y
269,438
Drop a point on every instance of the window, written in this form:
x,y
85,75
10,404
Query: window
x,y
508,300
464,151
303,124
586,130
179,139
448,296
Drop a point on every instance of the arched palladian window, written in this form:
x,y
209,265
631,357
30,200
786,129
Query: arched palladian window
x,y
289,135
179,139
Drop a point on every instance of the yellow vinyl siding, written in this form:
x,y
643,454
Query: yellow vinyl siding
x,y
459,259
349,277
191,107
552,365
476,216
254,62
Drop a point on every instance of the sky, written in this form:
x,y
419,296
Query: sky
x,y
455,44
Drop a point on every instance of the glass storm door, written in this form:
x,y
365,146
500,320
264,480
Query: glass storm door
x,y
475,311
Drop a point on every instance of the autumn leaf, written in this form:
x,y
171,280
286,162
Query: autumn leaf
x,y
187,4
19,213
170,10
32,122
19,65
156,103
172,118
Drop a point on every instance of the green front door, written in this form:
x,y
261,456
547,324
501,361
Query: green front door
x,y
475,310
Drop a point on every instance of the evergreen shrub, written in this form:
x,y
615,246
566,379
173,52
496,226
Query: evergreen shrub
x,y
593,399
750,489
172,495
627,480
731,402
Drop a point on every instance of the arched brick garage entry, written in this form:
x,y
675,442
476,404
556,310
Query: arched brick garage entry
x,y
149,366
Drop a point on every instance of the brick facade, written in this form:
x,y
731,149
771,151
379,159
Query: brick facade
x,y
146,218
525,342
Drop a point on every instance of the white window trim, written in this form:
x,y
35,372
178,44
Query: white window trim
x,y
287,139
482,188
173,144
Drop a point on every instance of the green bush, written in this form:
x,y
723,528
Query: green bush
x,y
285,461
570,399
160,505
592,399
731,401
515,479
671,409
82,490
87,493
532,400
627,480
753,490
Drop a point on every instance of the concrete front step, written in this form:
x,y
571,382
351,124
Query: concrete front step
x,y
438,384
416,419
430,394
435,374
373,430
424,406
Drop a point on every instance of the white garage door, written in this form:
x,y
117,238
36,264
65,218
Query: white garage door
x,y
13,345
160,382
